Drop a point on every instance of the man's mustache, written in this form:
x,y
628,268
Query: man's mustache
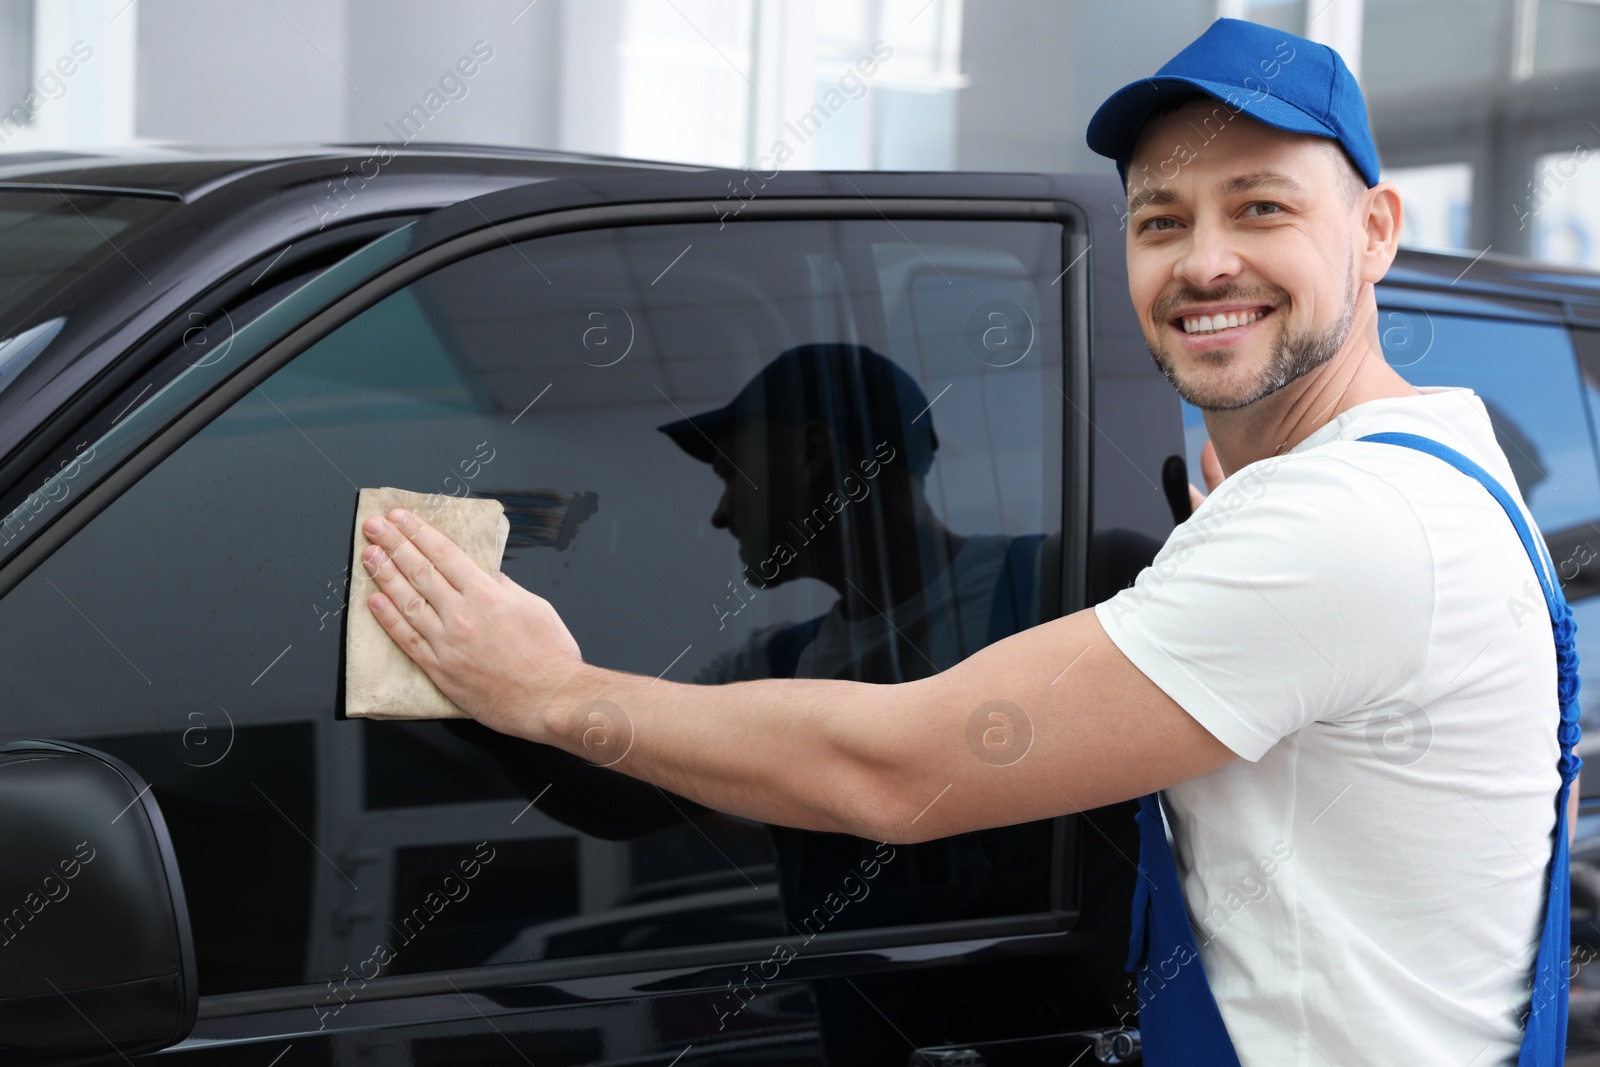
x,y
1168,306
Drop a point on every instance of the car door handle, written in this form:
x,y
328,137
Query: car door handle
x,y
1175,487
1108,1046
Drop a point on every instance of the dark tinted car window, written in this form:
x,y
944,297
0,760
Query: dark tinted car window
x,y
193,627
48,240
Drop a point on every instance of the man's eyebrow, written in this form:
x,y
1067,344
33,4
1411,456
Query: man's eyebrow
x,y
1239,183
1261,179
1146,197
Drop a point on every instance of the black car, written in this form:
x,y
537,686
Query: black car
x,y
203,356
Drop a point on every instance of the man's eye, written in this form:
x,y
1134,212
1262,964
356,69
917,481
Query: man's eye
x,y
1273,209
1152,224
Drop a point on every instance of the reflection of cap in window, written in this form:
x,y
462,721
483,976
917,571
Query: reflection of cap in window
x,y
866,399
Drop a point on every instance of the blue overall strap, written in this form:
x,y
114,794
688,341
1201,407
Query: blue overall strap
x,y
1544,1036
1179,1022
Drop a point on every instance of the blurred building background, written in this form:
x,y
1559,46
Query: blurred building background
x,y
1486,112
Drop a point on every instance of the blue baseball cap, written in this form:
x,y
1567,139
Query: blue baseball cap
x,y
1277,78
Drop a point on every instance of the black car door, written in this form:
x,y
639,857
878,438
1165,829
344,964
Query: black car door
x,y
384,891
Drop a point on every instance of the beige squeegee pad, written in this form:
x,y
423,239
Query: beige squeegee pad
x,y
380,680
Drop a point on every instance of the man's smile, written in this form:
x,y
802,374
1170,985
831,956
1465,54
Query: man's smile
x,y
1214,326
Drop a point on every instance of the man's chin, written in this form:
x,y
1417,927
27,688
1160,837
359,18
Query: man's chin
x,y
756,567
1203,384
1212,397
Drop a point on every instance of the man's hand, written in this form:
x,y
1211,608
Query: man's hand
x,y
495,649
1211,471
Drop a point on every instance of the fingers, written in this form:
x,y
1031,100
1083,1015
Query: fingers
x,y
423,556
404,601
444,556
1210,467
407,636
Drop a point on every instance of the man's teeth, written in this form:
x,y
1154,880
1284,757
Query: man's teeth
x,y
1210,323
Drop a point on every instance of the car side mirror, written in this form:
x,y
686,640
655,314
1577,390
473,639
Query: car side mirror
x,y
96,959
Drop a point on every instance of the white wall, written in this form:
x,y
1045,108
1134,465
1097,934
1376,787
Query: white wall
x,y
708,81
1039,68
81,88
244,72
399,50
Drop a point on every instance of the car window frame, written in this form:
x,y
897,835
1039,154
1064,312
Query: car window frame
x,y
389,264
158,356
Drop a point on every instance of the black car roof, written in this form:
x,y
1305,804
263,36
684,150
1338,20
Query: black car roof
x,y
233,207
1573,293
187,172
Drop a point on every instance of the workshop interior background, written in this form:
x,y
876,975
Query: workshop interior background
x,y
1485,111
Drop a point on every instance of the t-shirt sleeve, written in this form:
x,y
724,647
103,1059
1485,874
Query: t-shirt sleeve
x,y
1302,590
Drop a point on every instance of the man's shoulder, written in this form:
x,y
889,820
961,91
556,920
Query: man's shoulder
x,y
1449,416
1337,483
1374,476
1305,519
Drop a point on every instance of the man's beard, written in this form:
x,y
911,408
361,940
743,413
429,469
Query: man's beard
x,y
1291,358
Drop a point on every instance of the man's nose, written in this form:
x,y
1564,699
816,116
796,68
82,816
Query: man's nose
x,y
1210,256
719,517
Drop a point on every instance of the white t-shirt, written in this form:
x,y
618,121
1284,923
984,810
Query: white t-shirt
x,y
1361,624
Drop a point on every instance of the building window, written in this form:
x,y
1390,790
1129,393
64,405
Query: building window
x,y
1564,35
1562,206
1436,204
16,61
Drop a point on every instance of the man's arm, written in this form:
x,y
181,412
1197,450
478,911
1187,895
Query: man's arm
x,y
1048,721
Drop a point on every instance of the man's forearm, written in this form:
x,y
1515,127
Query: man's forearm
x,y
774,750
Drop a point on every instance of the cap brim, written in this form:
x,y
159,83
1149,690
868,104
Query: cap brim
x,y
1117,123
695,434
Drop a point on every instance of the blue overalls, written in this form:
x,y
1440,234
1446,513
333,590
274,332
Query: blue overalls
x,y
1179,1022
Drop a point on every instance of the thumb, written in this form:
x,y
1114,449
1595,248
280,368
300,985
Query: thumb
x,y
1210,467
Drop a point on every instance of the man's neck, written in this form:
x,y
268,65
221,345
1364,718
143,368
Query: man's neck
x,y
1276,424
927,549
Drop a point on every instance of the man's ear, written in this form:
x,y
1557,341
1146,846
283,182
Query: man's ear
x,y
816,441
1380,221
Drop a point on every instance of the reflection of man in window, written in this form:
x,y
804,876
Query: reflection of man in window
x,y
824,456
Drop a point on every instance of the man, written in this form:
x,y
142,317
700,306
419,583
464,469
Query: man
x,y
1319,669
